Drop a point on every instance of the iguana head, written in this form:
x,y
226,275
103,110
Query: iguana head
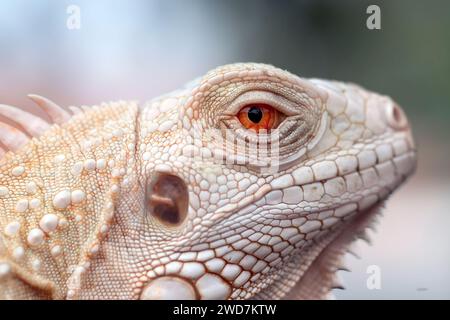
x,y
248,183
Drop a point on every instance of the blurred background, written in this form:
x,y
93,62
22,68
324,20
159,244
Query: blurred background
x,y
139,49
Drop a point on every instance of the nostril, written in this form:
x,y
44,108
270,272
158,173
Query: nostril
x,y
396,118
167,198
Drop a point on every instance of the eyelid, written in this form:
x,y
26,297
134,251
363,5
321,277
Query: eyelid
x,y
278,102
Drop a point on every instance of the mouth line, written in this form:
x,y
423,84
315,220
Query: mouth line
x,y
231,208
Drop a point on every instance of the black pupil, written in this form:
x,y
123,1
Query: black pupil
x,y
255,114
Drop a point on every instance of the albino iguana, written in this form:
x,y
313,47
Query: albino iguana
x,y
248,183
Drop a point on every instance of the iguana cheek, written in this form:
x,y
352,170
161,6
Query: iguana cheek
x,y
169,288
208,287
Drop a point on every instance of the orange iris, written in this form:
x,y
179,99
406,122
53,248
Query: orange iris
x,y
258,116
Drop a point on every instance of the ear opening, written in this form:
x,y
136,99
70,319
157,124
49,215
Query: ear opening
x,y
167,198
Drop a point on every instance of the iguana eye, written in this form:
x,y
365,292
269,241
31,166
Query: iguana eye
x,y
259,116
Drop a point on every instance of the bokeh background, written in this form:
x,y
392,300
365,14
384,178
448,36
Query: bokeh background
x,y
139,49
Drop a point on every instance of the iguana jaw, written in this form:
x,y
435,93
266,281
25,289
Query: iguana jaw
x,y
303,269
313,270
307,273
